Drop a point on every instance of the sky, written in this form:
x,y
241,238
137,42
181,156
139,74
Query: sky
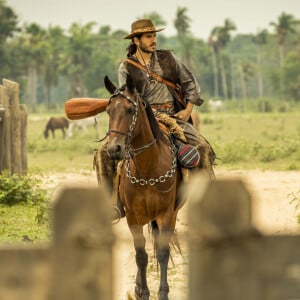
x,y
249,16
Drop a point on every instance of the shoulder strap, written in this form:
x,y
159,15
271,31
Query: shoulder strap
x,y
155,76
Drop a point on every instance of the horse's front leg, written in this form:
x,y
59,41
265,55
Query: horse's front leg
x,y
141,288
163,254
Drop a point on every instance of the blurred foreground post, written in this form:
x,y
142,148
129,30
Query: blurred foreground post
x,y
82,245
229,258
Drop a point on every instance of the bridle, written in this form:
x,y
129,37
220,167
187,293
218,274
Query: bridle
x,y
130,153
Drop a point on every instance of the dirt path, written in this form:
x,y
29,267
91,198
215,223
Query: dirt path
x,y
273,213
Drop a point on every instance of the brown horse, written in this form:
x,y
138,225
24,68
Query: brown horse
x,y
149,181
55,123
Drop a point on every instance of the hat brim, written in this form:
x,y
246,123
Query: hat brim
x,y
131,35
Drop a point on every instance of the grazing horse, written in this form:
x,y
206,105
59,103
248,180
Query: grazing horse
x,y
55,123
149,178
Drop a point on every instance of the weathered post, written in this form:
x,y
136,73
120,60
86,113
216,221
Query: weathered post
x,y
2,127
82,245
23,116
16,158
24,273
220,215
6,158
229,258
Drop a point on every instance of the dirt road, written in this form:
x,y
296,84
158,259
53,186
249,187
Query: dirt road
x,y
273,213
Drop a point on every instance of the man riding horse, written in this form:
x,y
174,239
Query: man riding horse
x,y
161,80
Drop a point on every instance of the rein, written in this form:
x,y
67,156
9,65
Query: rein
x,y
130,153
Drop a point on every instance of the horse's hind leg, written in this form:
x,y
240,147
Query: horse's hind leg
x,y
141,288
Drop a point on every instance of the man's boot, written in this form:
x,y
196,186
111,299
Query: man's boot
x,y
206,160
108,177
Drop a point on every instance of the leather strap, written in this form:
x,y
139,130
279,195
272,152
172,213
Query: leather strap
x,y
153,75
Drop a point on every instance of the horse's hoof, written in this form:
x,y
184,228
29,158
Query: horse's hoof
x,y
141,294
163,293
163,296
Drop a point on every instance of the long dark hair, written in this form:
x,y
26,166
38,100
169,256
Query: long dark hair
x,y
131,49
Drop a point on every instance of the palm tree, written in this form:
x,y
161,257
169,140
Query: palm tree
x,y
245,70
285,25
213,46
260,39
182,25
55,44
8,21
8,25
75,60
34,47
182,21
220,36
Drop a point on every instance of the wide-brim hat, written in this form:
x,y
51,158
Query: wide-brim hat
x,y
142,26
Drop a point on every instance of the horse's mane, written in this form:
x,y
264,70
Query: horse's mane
x,y
156,131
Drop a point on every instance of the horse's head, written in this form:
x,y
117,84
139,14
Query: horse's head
x,y
131,120
132,125
122,111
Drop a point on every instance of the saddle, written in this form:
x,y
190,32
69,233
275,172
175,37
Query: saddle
x,y
187,155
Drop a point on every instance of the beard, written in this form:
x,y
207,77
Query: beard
x,y
149,49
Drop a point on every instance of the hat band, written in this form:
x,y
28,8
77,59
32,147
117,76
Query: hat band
x,y
150,28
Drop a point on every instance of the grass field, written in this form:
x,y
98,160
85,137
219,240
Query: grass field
x,y
241,141
269,141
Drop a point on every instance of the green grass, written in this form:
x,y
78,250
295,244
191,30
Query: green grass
x,y
60,155
269,141
18,221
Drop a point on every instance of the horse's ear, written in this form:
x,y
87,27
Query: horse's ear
x,y
109,85
130,84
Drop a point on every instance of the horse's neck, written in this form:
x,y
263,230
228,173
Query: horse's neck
x,y
153,150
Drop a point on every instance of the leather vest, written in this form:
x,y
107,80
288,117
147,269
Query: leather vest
x,y
168,65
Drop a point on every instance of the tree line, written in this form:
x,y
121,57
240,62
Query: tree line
x,y
53,64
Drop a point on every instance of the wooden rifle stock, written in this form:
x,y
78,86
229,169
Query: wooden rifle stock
x,y
81,108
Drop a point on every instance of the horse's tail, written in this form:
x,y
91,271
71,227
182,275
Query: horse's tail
x,y
154,230
173,243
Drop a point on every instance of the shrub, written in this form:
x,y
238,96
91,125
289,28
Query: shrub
x,y
17,189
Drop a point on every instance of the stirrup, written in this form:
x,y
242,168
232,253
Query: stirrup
x,y
116,221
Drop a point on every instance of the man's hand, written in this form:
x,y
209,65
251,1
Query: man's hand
x,y
185,113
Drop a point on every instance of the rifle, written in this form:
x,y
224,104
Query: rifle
x,y
81,108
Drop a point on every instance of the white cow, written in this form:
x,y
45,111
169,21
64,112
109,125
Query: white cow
x,y
215,105
83,126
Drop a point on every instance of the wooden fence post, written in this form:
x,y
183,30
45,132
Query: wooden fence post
x,y
82,245
24,273
23,117
6,158
2,128
16,158
229,258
